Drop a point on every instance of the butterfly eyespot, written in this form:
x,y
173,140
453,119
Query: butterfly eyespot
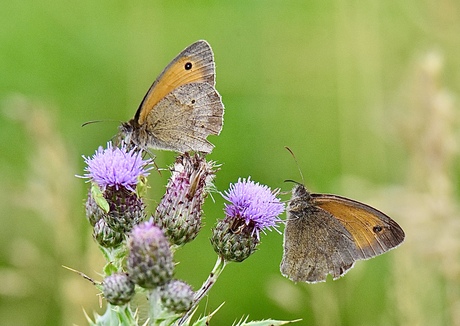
x,y
377,229
193,101
188,66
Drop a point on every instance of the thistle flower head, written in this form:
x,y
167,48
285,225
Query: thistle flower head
x,y
256,204
150,262
253,208
179,212
116,167
114,173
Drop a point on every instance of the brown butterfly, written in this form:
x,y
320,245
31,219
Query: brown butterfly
x,y
326,234
181,108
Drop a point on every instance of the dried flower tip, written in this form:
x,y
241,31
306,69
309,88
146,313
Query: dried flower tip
x,y
177,296
118,289
150,262
179,212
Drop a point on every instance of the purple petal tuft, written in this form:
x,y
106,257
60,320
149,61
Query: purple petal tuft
x,y
254,203
116,167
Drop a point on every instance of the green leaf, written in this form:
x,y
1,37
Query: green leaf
x,y
142,186
98,197
110,269
115,258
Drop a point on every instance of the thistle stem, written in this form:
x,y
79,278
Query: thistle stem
x,y
207,285
155,309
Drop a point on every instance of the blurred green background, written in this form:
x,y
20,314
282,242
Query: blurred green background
x,y
363,92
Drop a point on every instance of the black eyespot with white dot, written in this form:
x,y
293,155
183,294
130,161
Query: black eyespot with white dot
x,y
377,229
188,65
193,101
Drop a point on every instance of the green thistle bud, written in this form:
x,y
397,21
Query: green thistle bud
x,y
177,296
106,236
118,289
150,262
126,209
233,240
179,212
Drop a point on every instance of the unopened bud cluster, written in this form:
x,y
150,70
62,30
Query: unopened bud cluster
x,y
142,250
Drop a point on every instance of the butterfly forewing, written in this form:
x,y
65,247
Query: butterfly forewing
x,y
195,64
374,232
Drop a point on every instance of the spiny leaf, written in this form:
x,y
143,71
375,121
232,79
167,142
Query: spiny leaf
x,y
267,322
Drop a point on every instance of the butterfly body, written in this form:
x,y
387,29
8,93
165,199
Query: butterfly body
x,y
326,234
181,108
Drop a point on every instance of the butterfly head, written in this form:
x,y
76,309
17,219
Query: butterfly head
x,y
127,133
300,198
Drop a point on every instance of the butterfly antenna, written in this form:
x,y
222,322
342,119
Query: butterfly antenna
x,y
90,122
297,164
97,121
293,181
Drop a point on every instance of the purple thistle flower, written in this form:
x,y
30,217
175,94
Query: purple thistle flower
x,y
115,173
255,203
116,167
253,208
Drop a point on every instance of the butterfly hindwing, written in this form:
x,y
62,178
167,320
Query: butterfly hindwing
x,y
315,245
185,117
